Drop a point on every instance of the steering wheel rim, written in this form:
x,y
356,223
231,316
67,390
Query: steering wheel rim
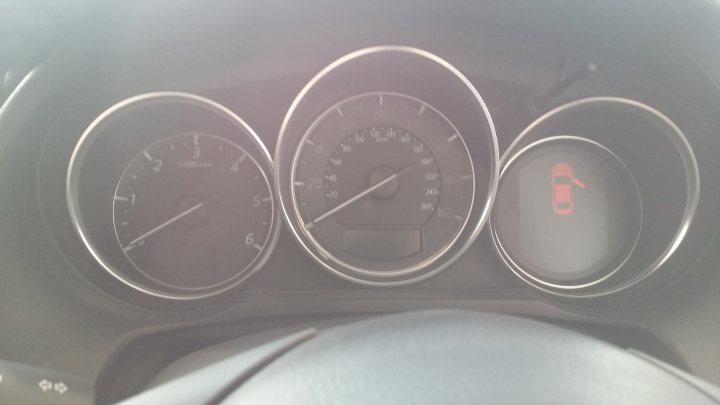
x,y
430,357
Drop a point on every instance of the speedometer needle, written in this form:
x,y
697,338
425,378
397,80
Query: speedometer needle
x,y
169,222
359,196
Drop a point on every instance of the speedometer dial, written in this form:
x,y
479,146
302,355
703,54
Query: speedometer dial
x,y
382,184
373,166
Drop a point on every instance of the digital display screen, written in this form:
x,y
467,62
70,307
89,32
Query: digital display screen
x,y
382,244
568,211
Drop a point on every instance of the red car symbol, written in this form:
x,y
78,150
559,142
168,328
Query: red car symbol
x,y
563,179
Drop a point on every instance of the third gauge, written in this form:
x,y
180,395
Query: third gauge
x,y
569,212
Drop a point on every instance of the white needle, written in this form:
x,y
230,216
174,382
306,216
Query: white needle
x,y
359,196
168,223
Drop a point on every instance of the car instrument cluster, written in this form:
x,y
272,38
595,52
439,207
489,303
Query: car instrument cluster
x,y
386,170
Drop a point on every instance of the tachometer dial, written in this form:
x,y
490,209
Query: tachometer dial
x,y
382,183
193,211
171,195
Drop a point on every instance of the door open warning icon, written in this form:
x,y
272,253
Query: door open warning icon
x,y
563,179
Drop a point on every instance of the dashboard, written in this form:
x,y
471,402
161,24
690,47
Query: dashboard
x,y
176,176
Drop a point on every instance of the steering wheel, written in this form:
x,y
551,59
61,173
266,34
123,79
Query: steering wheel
x,y
432,357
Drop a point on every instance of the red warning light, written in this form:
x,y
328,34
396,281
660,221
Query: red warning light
x,y
563,179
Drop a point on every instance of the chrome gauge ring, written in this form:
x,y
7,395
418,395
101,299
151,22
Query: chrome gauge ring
x,y
171,194
390,184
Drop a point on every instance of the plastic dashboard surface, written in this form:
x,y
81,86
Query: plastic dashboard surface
x,y
56,300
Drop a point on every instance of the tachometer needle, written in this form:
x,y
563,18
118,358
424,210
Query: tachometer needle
x,y
359,196
169,222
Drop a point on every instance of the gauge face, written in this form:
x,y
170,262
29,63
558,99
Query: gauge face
x,y
386,166
193,211
382,184
568,212
169,193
